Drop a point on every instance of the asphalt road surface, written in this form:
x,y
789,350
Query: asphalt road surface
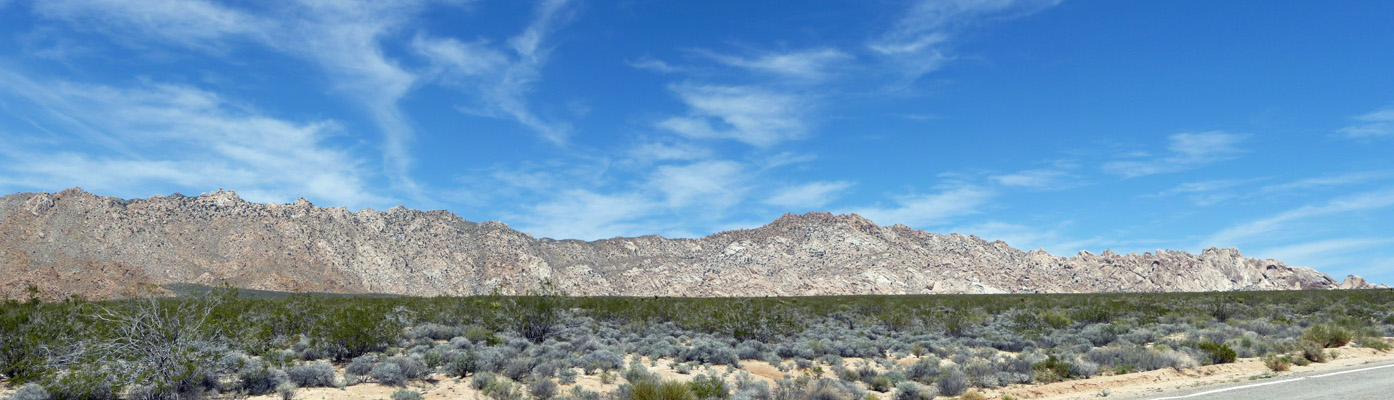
x,y
1369,381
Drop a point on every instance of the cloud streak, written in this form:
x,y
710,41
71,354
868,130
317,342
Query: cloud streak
x,y
752,115
1376,124
1257,228
925,210
919,43
188,138
1185,151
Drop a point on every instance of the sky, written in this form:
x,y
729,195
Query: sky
x,y
1063,125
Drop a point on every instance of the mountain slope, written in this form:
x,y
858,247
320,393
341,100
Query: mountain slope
x,y
76,242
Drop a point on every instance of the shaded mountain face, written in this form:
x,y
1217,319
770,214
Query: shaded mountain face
x,y
74,242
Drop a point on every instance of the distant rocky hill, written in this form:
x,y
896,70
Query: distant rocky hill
x,y
74,242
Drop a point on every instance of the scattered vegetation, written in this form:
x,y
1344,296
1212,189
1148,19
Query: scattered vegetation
x,y
515,347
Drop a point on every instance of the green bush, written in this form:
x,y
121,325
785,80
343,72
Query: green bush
x,y
1327,335
1374,343
709,387
406,394
352,331
655,389
1277,363
1218,353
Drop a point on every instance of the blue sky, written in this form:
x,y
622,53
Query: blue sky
x,y
1063,125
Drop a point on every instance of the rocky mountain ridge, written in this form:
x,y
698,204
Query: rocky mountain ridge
x,y
74,242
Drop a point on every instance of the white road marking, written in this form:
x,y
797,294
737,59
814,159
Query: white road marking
x,y
1272,383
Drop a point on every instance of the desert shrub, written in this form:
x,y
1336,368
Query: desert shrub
x,y
580,393
567,376
362,365
1100,334
1277,363
495,358
923,370
1137,357
165,345
517,368
914,391
502,388
406,394
1082,368
545,369
80,385
953,382
1373,343
459,363
389,374
653,389
30,391
479,334
481,380
709,352
602,359
542,388
318,374
637,372
1218,353
751,350
749,389
1312,351
708,387
257,379
881,384
534,314
286,390
435,331
1327,335
349,332
848,374
23,341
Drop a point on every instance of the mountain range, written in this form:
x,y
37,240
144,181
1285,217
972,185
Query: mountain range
x,y
77,243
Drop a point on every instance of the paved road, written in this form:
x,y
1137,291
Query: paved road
x,y
1369,381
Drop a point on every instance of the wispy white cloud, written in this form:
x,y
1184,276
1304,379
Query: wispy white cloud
x,y
659,151
1346,179
1373,125
1035,179
709,184
1185,151
923,210
1313,253
752,115
807,64
1208,193
584,214
190,23
808,196
653,64
919,42
187,138
501,80
342,38
1261,227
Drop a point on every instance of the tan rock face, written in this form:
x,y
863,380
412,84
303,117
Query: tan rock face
x,y
106,245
